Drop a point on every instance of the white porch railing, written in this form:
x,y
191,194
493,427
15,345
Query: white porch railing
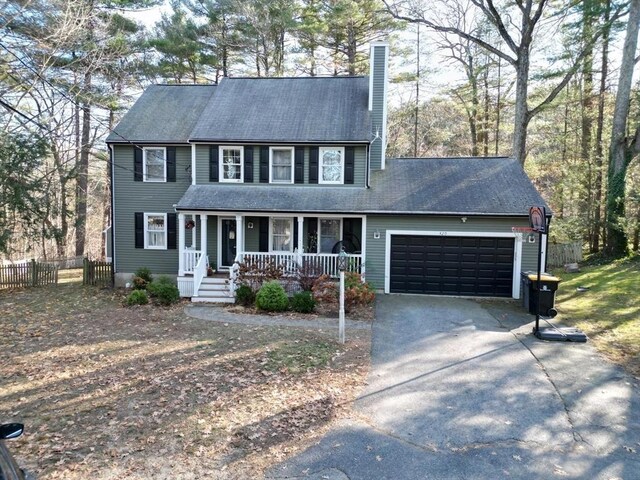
x,y
323,262
190,259
199,273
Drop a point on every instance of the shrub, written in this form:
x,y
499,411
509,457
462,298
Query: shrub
x,y
142,278
164,293
255,272
325,290
245,296
145,274
159,285
307,275
357,292
137,297
303,302
272,297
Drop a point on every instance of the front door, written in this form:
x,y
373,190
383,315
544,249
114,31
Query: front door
x,y
228,231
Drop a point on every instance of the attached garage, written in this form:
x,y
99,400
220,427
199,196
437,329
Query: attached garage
x,y
452,265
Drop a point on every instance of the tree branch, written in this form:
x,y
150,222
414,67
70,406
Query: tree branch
x,y
454,30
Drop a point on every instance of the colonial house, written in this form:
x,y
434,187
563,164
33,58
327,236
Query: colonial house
x,y
294,170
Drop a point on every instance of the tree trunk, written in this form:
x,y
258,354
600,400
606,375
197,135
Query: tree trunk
x,y
586,120
521,116
620,153
599,160
83,173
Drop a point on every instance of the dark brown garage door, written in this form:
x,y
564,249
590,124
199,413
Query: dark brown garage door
x,y
446,265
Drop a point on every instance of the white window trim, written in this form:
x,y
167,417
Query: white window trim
x,y
319,242
146,231
271,220
271,149
144,164
320,165
221,150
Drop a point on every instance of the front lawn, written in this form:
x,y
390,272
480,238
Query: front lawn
x,y
608,310
108,392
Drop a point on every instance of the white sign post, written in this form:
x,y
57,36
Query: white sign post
x,y
342,266
341,314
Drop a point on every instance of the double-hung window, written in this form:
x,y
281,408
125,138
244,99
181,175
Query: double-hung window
x,y
281,164
331,165
231,164
281,235
330,233
154,164
155,231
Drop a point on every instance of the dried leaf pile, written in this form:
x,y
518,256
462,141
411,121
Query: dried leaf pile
x,y
110,392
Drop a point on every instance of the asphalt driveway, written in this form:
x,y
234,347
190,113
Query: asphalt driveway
x,y
460,389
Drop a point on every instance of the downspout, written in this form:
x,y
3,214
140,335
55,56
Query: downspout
x,y
113,214
368,171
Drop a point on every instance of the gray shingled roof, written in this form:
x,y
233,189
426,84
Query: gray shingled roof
x,y
315,109
473,186
163,113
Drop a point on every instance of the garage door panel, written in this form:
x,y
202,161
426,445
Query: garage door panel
x,y
449,265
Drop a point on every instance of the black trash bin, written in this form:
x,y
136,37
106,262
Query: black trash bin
x,y
547,292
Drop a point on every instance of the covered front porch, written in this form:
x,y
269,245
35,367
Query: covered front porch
x,y
290,241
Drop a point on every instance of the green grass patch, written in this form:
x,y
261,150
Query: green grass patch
x,y
300,356
609,310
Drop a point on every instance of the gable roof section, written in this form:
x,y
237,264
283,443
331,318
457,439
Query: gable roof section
x,y
311,109
439,186
163,113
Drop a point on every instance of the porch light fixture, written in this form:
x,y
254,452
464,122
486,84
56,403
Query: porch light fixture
x,y
463,219
376,234
249,225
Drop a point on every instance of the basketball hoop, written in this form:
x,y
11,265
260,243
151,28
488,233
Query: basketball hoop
x,y
522,229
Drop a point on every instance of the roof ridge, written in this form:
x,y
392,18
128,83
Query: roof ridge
x,y
324,77
184,85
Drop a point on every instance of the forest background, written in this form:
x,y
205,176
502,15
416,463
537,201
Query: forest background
x,y
550,83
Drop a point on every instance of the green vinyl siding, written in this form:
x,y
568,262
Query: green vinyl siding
x,y
375,248
202,167
378,104
149,197
252,235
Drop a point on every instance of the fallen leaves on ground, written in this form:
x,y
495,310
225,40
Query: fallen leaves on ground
x,y
110,392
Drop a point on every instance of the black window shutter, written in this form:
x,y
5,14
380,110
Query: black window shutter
x,y
349,161
299,165
139,229
263,242
295,233
313,165
137,164
171,164
312,231
248,164
213,163
264,164
172,234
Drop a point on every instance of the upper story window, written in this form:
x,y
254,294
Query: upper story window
x,y
331,164
231,164
281,164
154,164
155,231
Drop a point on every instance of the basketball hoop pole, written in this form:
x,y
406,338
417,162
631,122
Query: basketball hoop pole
x,y
537,328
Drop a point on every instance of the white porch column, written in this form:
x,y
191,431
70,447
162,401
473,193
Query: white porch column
x,y
203,234
181,217
300,245
517,265
239,234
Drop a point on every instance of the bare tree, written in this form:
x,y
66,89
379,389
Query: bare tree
x,y
517,25
624,147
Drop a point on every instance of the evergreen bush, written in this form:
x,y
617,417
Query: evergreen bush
x,y
137,297
303,302
245,296
272,297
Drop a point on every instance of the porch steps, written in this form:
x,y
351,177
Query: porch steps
x,y
213,290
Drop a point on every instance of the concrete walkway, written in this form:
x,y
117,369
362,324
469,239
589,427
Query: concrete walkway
x,y
219,314
461,390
